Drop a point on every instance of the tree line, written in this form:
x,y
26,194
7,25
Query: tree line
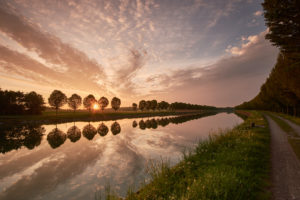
x,y
16,102
58,99
281,91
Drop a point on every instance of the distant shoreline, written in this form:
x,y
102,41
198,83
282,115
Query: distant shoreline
x,y
49,117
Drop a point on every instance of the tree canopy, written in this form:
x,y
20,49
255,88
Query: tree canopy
x,y
57,99
142,105
115,103
89,101
74,102
103,102
283,20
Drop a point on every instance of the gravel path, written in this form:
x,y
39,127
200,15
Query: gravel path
x,y
285,165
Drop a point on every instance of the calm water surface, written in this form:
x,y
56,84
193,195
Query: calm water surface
x,y
66,162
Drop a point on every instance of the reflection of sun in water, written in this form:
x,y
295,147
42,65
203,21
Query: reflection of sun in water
x,y
95,106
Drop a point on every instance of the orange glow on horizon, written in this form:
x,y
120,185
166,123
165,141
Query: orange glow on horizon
x,y
95,106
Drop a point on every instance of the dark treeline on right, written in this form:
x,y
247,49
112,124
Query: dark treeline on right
x,y
281,91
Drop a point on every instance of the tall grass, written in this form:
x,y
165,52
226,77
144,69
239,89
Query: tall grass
x,y
231,165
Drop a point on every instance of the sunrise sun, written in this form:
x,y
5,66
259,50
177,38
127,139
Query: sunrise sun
x,y
95,106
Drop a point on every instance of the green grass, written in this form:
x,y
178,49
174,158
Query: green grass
x,y
293,137
231,165
296,120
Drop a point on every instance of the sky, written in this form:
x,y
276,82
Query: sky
x,y
210,52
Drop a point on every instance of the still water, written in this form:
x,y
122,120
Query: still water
x,y
78,160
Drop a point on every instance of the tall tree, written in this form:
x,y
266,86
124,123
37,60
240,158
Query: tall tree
x,y
89,101
142,105
34,103
115,103
74,101
103,102
57,99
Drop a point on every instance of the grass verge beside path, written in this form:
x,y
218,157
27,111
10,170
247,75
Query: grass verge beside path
x,y
293,137
232,165
296,120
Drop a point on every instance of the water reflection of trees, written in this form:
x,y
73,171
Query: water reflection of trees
x,y
134,124
164,121
56,137
89,131
30,136
13,138
74,133
115,128
102,129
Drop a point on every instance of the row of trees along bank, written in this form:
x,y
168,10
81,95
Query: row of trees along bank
x,y
281,91
58,99
13,103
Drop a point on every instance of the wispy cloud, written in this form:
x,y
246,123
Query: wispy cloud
x,y
77,65
122,47
229,81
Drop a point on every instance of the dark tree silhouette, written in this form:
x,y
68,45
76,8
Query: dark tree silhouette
x,y
102,129
57,99
74,102
11,102
134,106
142,105
103,102
115,128
115,103
89,131
56,138
34,103
89,101
74,133
153,105
163,105
282,18
148,105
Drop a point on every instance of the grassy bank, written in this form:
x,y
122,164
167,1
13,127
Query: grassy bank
x,y
49,116
293,137
232,165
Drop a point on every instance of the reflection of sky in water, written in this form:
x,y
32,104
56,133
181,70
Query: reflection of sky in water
x,y
77,170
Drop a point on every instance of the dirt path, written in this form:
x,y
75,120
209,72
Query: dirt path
x,y
285,165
